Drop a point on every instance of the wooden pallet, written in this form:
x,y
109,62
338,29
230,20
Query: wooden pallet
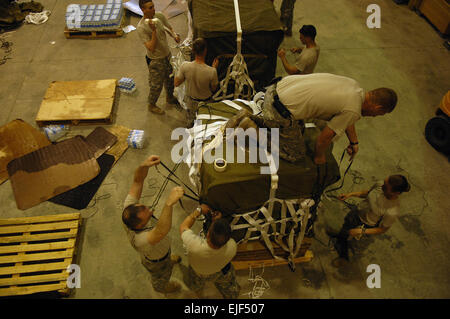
x,y
255,254
76,34
35,253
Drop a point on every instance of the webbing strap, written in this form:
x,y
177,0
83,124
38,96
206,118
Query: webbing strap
x,y
237,70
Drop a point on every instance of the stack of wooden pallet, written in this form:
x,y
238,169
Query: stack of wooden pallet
x,y
35,253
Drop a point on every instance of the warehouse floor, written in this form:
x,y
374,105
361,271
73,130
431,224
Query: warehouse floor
x,y
406,54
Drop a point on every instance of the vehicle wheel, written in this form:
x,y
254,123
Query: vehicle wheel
x,y
437,133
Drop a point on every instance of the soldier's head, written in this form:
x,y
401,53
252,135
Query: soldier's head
x,y
379,102
136,216
199,47
394,185
148,8
219,233
307,33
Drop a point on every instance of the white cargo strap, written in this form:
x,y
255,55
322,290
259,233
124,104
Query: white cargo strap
x,y
237,70
232,104
306,205
211,117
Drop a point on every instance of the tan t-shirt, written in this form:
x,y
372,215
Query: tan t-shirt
x,y
333,98
145,33
139,239
204,259
200,78
306,61
377,207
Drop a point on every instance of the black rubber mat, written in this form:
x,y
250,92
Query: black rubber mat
x,y
80,196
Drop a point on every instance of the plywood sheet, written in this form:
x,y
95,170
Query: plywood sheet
x,y
77,101
18,138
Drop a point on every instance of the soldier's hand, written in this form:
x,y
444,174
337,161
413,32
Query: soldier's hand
x,y
215,63
151,161
205,209
319,160
152,25
352,150
281,53
175,194
216,215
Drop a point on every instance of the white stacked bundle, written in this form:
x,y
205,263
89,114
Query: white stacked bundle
x,y
127,85
136,139
95,17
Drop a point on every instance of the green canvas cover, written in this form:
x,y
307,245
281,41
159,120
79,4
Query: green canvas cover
x,y
215,18
241,188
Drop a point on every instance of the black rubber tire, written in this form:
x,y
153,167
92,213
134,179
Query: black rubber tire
x,y
437,133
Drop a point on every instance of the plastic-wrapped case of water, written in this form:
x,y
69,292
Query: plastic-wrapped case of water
x,y
55,132
136,139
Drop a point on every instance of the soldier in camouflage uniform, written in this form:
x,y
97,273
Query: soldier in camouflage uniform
x,y
210,257
153,35
148,235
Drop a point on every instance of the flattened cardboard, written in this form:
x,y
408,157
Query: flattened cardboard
x,y
18,138
80,196
118,149
52,170
77,101
102,140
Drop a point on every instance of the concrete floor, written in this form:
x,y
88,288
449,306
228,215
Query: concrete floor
x,y
406,54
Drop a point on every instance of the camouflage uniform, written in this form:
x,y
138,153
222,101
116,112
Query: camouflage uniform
x,y
287,13
225,283
292,145
160,272
159,71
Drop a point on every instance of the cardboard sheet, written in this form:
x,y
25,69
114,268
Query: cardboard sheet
x,y
52,170
120,147
80,196
102,140
18,138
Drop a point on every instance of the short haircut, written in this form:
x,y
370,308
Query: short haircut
x,y
199,46
130,215
142,2
309,31
399,183
220,232
385,97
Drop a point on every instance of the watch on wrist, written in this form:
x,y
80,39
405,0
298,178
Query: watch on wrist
x,y
354,143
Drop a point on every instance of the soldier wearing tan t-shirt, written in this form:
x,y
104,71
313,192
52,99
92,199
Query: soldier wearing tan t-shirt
x,y
374,215
201,79
306,58
148,235
153,35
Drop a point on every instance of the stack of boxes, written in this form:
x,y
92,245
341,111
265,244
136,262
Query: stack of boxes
x,y
136,139
96,17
